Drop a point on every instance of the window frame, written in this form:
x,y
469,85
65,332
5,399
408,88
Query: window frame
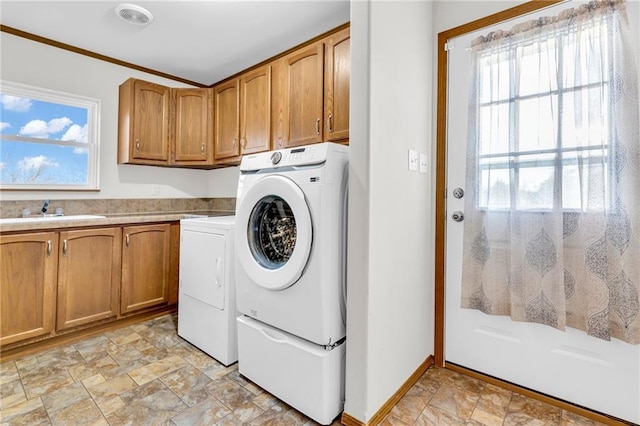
x,y
92,145
513,159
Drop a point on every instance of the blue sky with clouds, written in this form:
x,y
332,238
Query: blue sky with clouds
x,y
22,162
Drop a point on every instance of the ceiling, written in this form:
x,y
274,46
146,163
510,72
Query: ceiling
x,y
199,41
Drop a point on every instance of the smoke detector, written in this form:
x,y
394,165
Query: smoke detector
x,y
134,14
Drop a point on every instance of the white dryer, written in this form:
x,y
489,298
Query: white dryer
x,y
290,275
206,304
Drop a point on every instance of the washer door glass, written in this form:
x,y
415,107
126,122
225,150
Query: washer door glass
x,y
272,232
276,246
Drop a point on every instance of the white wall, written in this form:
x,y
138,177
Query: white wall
x,y
390,275
224,182
36,64
391,238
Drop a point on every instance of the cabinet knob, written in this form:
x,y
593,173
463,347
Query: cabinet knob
x,y
202,148
330,123
49,247
64,247
126,238
318,126
137,143
235,142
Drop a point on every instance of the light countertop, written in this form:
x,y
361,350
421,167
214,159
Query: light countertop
x,y
111,219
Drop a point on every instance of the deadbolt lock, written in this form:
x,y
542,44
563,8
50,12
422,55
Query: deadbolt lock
x,y
457,216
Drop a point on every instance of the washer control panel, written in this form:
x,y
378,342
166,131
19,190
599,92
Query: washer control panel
x,y
289,157
306,154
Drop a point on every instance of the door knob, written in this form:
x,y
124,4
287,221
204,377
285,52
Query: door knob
x,y
457,216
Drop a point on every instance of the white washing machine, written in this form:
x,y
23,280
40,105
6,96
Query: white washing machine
x,y
290,284
207,303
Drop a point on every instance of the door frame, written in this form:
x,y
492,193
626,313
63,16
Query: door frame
x,y
441,154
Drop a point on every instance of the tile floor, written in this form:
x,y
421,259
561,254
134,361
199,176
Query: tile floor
x,y
145,374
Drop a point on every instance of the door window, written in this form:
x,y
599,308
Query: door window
x,y
272,232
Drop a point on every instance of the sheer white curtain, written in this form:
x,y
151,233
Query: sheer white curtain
x,y
552,224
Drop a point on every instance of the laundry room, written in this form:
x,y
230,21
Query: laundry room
x,y
239,218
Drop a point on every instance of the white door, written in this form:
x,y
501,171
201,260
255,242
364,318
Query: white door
x,y
202,263
598,374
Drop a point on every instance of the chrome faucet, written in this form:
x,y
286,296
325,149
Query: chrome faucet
x,y
45,206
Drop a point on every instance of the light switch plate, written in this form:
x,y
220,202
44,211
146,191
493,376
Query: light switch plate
x,y
423,163
413,160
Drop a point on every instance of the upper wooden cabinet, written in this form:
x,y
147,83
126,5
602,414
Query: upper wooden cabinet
x,y
336,80
29,265
311,93
143,125
242,111
298,99
255,110
88,276
226,120
298,107
164,127
192,138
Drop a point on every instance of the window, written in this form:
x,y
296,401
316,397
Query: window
x,y
49,139
551,234
543,120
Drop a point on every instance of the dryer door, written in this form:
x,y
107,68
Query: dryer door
x,y
202,264
274,232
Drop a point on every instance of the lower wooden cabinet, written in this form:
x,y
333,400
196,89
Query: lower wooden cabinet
x,y
145,266
88,276
62,281
29,264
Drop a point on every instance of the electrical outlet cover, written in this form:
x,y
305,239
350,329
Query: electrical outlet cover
x,y
423,163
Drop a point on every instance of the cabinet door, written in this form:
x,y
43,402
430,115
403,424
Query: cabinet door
x,y
145,267
192,136
88,276
255,110
303,96
337,72
29,266
150,121
226,125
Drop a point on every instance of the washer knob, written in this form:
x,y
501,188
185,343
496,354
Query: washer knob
x,y
276,157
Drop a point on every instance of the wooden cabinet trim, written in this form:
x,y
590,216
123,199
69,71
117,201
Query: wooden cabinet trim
x,y
281,55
